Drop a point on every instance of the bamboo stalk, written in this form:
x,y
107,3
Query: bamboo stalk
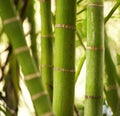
x,y
64,64
46,46
94,58
13,29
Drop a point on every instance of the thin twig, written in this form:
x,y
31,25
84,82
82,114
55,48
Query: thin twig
x,y
76,111
112,11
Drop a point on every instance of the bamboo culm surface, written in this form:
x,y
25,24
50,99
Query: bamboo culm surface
x,y
94,58
64,58
46,46
14,31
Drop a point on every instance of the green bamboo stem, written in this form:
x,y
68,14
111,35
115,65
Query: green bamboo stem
x,y
110,81
64,64
13,29
94,58
46,46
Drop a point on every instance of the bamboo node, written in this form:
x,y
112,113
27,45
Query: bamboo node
x,y
44,0
47,36
65,70
21,49
93,97
66,26
38,95
11,20
94,48
48,114
95,5
46,66
111,87
32,76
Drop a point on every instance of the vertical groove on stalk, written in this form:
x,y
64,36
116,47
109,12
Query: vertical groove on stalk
x,y
94,58
46,46
13,29
64,64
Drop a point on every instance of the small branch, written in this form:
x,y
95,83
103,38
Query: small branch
x,y
112,11
78,35
76,111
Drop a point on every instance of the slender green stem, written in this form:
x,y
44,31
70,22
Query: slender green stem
x,y
94,58
81,11
80,39
81,62
112,11
64,64
14,31
46,46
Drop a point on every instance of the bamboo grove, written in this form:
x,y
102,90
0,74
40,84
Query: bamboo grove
x,y
48,56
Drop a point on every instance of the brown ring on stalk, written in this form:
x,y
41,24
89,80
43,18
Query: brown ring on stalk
x,y
32,76
66,26
48,114
111,87
44,0
65,70
36,96
46,66
92,97
47,36
11,20
21,49
95,5
94,48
